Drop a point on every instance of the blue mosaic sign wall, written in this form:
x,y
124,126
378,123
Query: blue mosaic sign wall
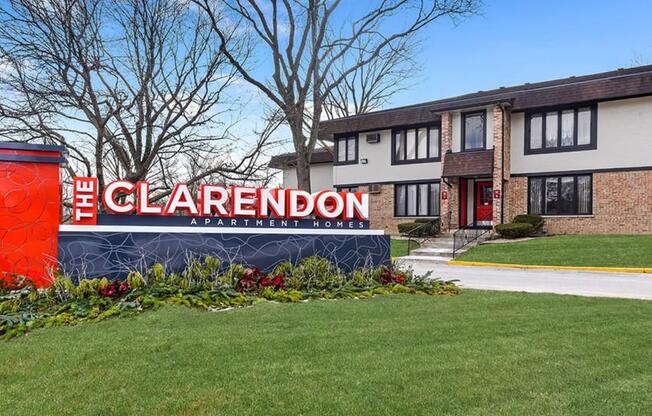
x,y
118,245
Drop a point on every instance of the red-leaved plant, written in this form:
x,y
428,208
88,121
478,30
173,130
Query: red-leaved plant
x,y
253,279
390,277
278,281
249,280
115,289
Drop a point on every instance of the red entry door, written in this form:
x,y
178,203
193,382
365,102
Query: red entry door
x,y
483,201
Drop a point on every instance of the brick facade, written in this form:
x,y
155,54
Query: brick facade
x,y
621,205
515,198
445,203
381,209
498,178
622,201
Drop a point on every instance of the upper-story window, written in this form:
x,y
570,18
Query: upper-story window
x,y
474,130
346,149
416,144
561,129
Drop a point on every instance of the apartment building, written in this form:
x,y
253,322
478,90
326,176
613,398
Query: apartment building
x,y
576,150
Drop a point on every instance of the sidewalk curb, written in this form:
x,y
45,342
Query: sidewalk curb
x,y
530,266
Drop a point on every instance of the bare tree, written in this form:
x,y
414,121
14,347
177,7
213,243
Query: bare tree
x,y
134,89
306,43
369,87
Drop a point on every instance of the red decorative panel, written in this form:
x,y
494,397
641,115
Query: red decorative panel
x,y
30,212
84,201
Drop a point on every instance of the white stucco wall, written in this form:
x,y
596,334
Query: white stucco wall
x,y
321,177
379,166
457,129
624,141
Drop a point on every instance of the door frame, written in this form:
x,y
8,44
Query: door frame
x,y
476,186
463,204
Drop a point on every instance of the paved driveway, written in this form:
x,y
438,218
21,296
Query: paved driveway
x,y
616,285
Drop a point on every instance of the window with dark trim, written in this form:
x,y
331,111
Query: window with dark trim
x,y
560,195
416,145
561,129
347,189
416,199
474,130
346,149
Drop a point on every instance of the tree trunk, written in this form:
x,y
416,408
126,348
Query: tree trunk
x,y
303,173
303,157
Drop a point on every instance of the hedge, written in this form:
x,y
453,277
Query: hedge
x,y
514,230
422,227
535,220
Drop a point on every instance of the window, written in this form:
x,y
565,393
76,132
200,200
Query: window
x,y
415,145
347,189
474,130
561,130
416,200
346,149
560,195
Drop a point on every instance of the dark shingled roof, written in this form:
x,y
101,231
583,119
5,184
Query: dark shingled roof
x,y
622,83
379,119
468,164
289,159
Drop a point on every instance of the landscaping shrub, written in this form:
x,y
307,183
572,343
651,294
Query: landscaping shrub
x,y
514,230
434,225
201,285
408,228
420,228
535,220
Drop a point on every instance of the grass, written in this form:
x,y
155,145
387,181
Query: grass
x,y
400,247
480,353
577,250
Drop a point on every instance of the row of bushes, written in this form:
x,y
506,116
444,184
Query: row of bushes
x,y
522,226
422,227
201,285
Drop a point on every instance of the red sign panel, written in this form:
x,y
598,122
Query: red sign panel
x,y
30,212
84,196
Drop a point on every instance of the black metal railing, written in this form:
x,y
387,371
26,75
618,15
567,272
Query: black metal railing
x,y
413,233
467,235
418,231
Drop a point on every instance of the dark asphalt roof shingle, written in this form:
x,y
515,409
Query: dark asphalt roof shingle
x,y
622,83
289,159
468,164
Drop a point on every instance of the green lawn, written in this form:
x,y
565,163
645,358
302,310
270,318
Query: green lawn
x,y
400,247
576,250
480,353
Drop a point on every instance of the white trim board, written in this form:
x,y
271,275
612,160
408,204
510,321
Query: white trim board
x,y
215,230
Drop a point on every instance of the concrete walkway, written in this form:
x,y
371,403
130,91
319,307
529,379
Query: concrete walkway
x,y
613,285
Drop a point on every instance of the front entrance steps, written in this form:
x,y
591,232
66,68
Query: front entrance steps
x,y
437,250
